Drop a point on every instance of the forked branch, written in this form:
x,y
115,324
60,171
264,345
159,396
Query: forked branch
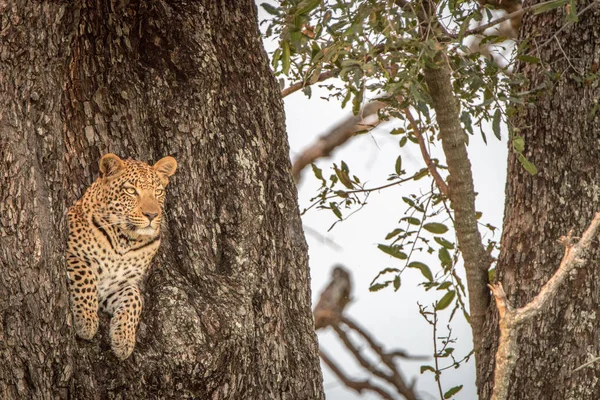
x,y
510,318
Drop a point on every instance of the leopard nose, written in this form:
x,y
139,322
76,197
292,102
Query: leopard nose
x,y
150,215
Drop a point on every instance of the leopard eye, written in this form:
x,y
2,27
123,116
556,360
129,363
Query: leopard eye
x,y
130,190
160,192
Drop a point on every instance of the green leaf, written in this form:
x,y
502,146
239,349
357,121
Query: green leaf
x,y
444,285
335,210
550,6
452,391
357,102
412,220
378,286
393,233
528,59
342,174
427,368
435,227
285,57
398,166
402,141
270,9
396,283
306,6
519,144
496,123
528,165
445,300
318,172
423,172
393,251
423,268
444,257
444,243
491,275
572,12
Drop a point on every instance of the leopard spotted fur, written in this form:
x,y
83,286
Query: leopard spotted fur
x,y
114,232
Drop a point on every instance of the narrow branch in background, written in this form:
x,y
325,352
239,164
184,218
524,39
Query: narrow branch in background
x,y
300,85
484,27
357,386
439,181
510,319
461,193
329,311
338,136
387,358
378,49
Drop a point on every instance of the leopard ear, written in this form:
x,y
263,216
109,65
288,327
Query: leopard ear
x,y
110,165
165,167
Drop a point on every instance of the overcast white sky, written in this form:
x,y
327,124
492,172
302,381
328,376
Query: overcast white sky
x,y
392,317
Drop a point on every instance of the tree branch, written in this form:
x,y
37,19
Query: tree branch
x,y
439,181
394,378
510,319
357,386
299,85
461,193
338,136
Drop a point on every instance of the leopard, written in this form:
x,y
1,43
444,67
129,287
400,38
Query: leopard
x,y
114,233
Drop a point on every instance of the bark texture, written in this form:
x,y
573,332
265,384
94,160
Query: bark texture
x,y
227,304
561,132
461,193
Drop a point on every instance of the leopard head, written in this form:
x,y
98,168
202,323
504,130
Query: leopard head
x,y
133,194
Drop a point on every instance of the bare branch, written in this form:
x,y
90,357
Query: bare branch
x,y
510,319
338,136
357,386
299,85
439,181
394,378
387,358
497,21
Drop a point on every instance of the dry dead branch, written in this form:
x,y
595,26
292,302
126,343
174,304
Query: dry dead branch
x,y
511,319
329,312
365,120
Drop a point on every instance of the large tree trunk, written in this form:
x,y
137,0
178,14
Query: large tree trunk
x,y
227,304
561,133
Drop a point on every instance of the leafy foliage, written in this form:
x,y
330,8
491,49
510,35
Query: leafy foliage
x,y
378,50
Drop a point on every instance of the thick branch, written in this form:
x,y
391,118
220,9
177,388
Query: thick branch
x,y
338,136
510,319
461,193
357,386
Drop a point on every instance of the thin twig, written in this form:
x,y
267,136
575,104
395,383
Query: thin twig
x,y
299,85
387,358
439,181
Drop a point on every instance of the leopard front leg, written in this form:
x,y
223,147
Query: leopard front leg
x,y
83,289
125,309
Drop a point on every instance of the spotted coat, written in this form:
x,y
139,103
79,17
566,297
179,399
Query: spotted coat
x,y
114,232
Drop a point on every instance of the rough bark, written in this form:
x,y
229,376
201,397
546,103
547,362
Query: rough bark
x,y
227,304
461,193
561,133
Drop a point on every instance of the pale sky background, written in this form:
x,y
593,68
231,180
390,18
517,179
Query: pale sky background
x,y
391,317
